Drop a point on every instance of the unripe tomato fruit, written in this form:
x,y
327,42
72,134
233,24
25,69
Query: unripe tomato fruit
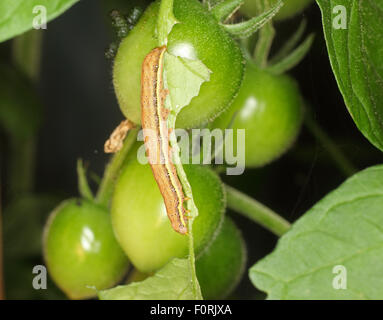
x,y
80,249
141,223
197,36
269,108
221,266
289,9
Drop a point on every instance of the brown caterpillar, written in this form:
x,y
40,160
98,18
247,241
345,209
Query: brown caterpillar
x,y
156,138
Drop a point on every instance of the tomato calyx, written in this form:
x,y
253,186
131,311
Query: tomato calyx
x,y
289,55
224,10
122,25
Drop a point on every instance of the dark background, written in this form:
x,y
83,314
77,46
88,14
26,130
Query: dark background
x,y
80,111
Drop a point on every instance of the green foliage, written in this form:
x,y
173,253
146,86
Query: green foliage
x,y
355,50
172,282
345,228
16,16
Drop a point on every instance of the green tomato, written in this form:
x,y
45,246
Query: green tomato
x,y
269,108
80,249
197,36
289,9
141,223
222,265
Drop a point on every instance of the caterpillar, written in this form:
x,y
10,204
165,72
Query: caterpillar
x,y
156,138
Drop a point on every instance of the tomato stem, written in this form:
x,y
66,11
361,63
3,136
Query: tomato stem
x,y
113,169
166,21
26,52
2,293
265,40
83,185
256,211
344,164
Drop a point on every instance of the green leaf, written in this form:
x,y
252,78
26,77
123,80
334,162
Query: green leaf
x,y
357,60
16,16
172,282
343,229
184,78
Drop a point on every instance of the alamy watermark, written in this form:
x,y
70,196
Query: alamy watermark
x,y
340,19
40,19
340,280
196,146
39,281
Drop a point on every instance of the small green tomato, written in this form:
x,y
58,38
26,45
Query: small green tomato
x,y
80,250
270,109
222,265
141,223
197,36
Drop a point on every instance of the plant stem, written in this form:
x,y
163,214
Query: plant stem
x,y
265,41
113,169
2,291
256,211
26,53
344,165
21,164
166,21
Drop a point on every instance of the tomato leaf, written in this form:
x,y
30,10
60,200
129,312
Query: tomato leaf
x,y
357,60
344,231
17,16
184,78
172,282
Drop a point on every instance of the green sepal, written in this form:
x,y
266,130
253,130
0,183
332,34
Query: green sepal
x,y
224,10
247,28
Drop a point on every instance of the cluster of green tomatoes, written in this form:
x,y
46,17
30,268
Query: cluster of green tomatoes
x,y
89,247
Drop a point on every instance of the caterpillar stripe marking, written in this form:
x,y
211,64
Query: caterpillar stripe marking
x,y
156,138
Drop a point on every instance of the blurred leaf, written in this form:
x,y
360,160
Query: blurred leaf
x,y
356,55
344,229
172,282
20,108
16,16
18,282
23,224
